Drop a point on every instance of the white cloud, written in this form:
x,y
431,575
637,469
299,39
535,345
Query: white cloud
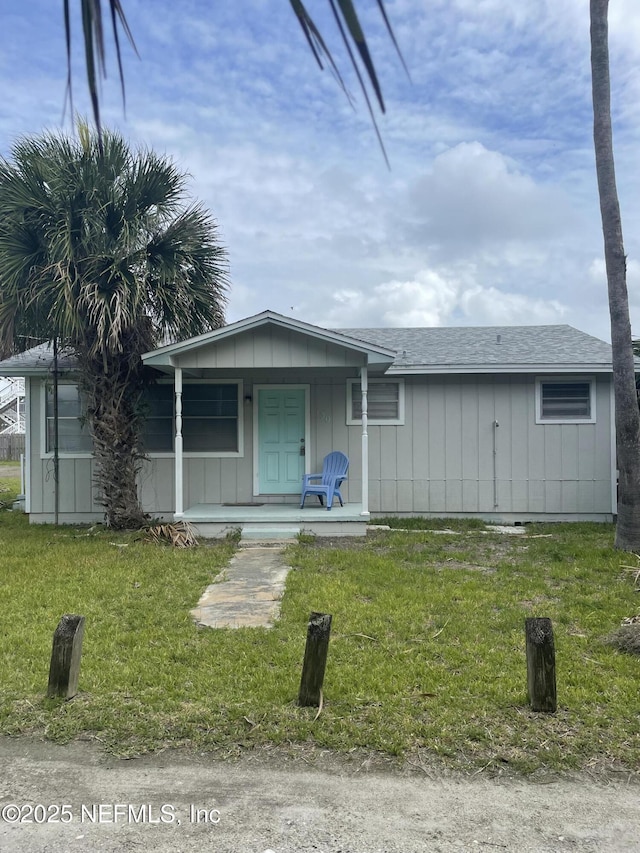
x,y
428,300
474,197
489,306
596,281
436,298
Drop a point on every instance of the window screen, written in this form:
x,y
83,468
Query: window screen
x,y
383,401
209,418
73,433
565,400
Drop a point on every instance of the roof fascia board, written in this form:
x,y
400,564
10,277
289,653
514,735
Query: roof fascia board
x,y
25,371
399,370
42,370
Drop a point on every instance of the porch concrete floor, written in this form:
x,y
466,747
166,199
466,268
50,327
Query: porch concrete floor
x,y
247,593
282,513
276,520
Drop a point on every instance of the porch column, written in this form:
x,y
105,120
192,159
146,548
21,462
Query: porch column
x,y
364,385
29,387
178,443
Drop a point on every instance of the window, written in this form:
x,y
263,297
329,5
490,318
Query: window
x,y
158,429
565,400
73,432
210,418
385,401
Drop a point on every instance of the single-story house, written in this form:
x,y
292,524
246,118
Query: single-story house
x,y
507,424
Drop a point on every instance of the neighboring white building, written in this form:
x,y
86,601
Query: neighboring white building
x,y
11,406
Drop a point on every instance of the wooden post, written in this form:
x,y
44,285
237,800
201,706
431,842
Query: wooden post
x,y
65,657
364,387
315,659
541,664
178,446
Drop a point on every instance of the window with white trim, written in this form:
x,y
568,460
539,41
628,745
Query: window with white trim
x,y
385,401
211,418
73,431
566,400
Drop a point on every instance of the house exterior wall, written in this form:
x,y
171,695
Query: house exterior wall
x,y
439,462
76,494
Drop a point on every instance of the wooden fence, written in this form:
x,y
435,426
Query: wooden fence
x,y
11,446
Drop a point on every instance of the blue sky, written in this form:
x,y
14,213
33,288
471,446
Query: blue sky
x,y
489,214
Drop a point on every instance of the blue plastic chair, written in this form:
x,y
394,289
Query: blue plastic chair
x,y
334,471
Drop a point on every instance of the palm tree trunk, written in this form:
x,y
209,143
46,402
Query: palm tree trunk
x,y
112,392
626,403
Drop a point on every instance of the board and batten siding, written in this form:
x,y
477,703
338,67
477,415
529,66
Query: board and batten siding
x,y
76,493
216,480
441,461
270,347
207,480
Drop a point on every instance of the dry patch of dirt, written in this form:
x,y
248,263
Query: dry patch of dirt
x,y
9,472
488,552
626,638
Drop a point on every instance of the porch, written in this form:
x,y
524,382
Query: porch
x,y
245,411
276,521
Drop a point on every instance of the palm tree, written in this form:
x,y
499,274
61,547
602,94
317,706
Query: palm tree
x,y
626,403
101,250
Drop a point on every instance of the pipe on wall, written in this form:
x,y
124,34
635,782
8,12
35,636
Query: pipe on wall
x,y
495,464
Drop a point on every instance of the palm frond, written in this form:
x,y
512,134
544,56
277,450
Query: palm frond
x,y
362,46
179,534
317,44
352,22
392,36
94,48
351,32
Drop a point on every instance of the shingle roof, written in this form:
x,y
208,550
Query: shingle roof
x,y
503,346
439,349
38,359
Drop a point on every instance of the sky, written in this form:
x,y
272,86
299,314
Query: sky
x,y
489,213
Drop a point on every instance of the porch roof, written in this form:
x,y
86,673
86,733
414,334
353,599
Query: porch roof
x,y
167,357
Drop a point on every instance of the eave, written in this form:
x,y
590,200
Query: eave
x,y
460,369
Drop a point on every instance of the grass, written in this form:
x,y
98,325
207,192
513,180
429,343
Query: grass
x,y
9,482
426,658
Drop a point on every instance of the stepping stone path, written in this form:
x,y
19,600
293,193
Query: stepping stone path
x,y
247,593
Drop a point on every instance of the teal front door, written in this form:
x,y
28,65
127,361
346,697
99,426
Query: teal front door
x,y
281,440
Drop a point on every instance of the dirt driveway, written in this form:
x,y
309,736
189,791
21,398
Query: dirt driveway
x,y
7,471
273,802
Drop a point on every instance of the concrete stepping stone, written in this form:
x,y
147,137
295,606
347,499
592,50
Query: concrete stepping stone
x,y
247,592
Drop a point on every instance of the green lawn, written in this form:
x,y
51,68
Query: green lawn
x,y
426,659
